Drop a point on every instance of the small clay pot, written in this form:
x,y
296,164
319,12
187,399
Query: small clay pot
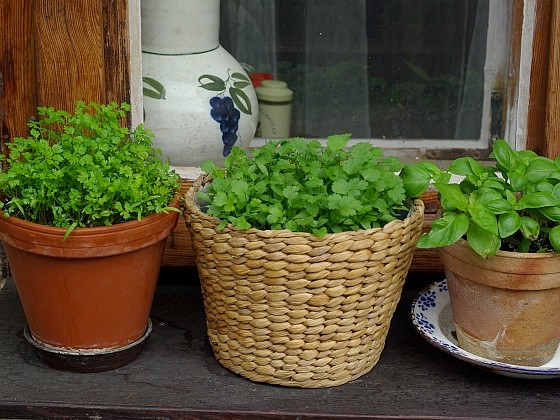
x,y
506,308
94,290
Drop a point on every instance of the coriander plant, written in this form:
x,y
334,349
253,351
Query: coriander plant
x,y
302,186
84,169
513,206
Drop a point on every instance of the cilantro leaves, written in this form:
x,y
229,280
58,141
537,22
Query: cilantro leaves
x,y
302,186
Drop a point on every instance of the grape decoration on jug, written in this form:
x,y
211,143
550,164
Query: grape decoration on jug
x,y
223,108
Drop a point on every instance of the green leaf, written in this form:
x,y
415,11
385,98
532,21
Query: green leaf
x,y
552,213
425,76
540,169
69,231
484,217
483,242
341,186
495,184
241,100
445,231
499,206
530,228
392,163
537,200
240,76
524,245
337,142
243,224
554,236
505,155
453,195
291,193
466,166
517,181
207,166
508,224
416,180
240,85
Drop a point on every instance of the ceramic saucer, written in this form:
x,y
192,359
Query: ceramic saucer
x,y
432,317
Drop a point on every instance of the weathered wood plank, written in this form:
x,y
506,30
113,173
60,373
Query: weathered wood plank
x,y
69,52
116,51
18,99
552,134
178,250
536,117
177,377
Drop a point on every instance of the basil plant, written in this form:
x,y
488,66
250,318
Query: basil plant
x,y
512,206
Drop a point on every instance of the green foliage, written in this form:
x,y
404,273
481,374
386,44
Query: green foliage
x,y
514,206
302,186
84,169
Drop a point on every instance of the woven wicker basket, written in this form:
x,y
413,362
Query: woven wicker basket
x,y
292,309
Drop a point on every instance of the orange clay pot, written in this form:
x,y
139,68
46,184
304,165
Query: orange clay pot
x,y
506,308
93,291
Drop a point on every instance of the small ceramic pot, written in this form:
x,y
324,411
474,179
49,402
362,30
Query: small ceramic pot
x,y
506,308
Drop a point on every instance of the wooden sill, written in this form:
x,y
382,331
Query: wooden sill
x,y
179,252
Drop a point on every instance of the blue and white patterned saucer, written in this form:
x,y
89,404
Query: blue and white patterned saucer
x,y
432,317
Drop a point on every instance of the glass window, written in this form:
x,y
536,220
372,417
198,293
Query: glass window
x,y
405,73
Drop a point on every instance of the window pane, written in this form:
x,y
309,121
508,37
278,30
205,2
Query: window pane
x,y
385,69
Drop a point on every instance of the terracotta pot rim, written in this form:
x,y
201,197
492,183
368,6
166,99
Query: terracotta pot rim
x,y
505,270
510,254
91,242
96,230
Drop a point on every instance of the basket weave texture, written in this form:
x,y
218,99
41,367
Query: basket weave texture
x,y
293,309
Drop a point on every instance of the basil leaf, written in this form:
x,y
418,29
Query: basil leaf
x,y
508,223
482,241
453,193
445,231
484,217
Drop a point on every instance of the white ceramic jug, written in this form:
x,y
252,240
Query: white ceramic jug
x,y
198,100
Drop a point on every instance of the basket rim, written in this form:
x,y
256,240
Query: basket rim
x,y
190,207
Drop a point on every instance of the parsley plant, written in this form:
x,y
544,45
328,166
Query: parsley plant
x,y
302,186
84,169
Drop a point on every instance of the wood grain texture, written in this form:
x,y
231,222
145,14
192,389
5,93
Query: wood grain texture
x,y
116,51
177,377
178,249
536,118
552,133
18,98
512,88
69,52
55,52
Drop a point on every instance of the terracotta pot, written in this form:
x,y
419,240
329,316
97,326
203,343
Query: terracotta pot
x,y
506,308
93,291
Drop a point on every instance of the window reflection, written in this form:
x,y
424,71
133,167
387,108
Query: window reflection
x,y
386,69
